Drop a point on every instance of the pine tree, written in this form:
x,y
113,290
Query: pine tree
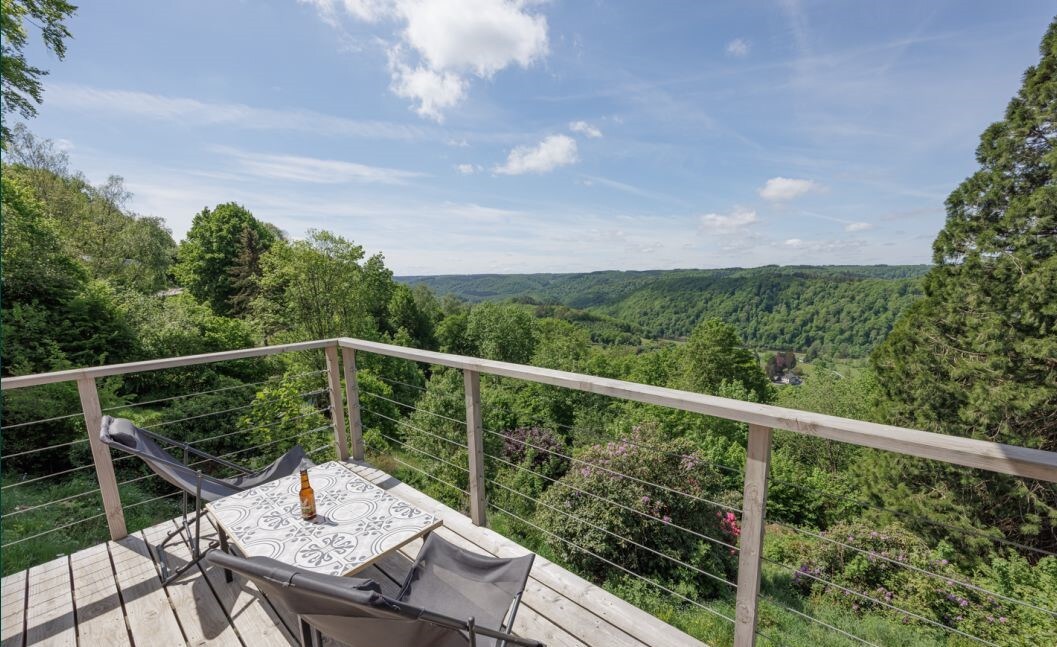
x,y
246,271
977,357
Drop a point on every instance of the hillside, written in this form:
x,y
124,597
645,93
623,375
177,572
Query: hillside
x,y
821,310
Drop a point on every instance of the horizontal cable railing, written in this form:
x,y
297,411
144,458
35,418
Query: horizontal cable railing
x,y
34,489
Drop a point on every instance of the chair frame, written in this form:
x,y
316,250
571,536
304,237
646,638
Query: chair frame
x,y
168,575
310,635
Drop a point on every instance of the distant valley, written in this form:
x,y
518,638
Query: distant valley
x,y
823,311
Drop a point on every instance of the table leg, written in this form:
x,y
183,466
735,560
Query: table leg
x,y
224,547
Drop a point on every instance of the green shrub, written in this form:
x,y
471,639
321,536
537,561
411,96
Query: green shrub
x,y
628,472
892,566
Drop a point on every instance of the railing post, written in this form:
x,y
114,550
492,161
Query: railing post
x,y
352,400
337,410
475,446
754,506
104,465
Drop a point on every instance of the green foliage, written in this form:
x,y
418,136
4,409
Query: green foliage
x,y
287,413
213,250
20,82
319,287
53,317
140,512
715,354
36,268
669,466
975,357
93,223
246,270
179,325
894,566
405,313
501,332
827,311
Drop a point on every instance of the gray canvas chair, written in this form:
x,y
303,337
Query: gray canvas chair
x,y
121,434
451,598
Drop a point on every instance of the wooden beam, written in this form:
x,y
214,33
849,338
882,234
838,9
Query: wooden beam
x,y
996,457
36,379
352,401
104,465
475,447
750,546
337,408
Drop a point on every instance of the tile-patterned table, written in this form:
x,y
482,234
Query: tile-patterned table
x,y
356,524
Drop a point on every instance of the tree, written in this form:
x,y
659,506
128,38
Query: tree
x,y
404,314
20,85
94,223
714,354
503,332
246,271
212,248
321,287
977,357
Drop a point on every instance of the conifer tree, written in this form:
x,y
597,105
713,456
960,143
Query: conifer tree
x,y
977,357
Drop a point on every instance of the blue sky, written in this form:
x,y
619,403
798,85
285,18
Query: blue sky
x,y
461,136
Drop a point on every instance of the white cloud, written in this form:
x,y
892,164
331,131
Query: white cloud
x,y
443,41
434,91
794,242
549,154
728,223
366,10
192,112
293,168
738,47
857,226
468,169
781,189
585,128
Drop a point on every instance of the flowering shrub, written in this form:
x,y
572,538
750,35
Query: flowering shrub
x,y
887,570
537,449
536,459
622,496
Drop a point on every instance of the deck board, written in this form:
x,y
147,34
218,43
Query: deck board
x,y
201,617
252,615
115,597
49,607
12,609
149,615
100,618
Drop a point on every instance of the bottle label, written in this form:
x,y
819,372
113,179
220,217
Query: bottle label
x,y
308,508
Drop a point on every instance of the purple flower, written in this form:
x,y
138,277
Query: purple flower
x,y
666,519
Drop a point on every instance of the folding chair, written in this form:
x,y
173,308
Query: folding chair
x,y
451,598
121,434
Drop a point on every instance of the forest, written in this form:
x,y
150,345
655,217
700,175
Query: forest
x,y
890,549
834,311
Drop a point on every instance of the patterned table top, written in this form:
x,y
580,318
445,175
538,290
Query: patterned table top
x,y
356,521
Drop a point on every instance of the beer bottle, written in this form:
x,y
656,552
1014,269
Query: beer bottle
x,y
308,497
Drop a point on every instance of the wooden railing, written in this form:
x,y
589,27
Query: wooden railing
x,y
762,420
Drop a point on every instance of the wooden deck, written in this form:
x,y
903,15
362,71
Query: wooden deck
x,y
111,594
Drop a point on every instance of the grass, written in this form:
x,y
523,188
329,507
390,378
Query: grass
x,y
80,534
